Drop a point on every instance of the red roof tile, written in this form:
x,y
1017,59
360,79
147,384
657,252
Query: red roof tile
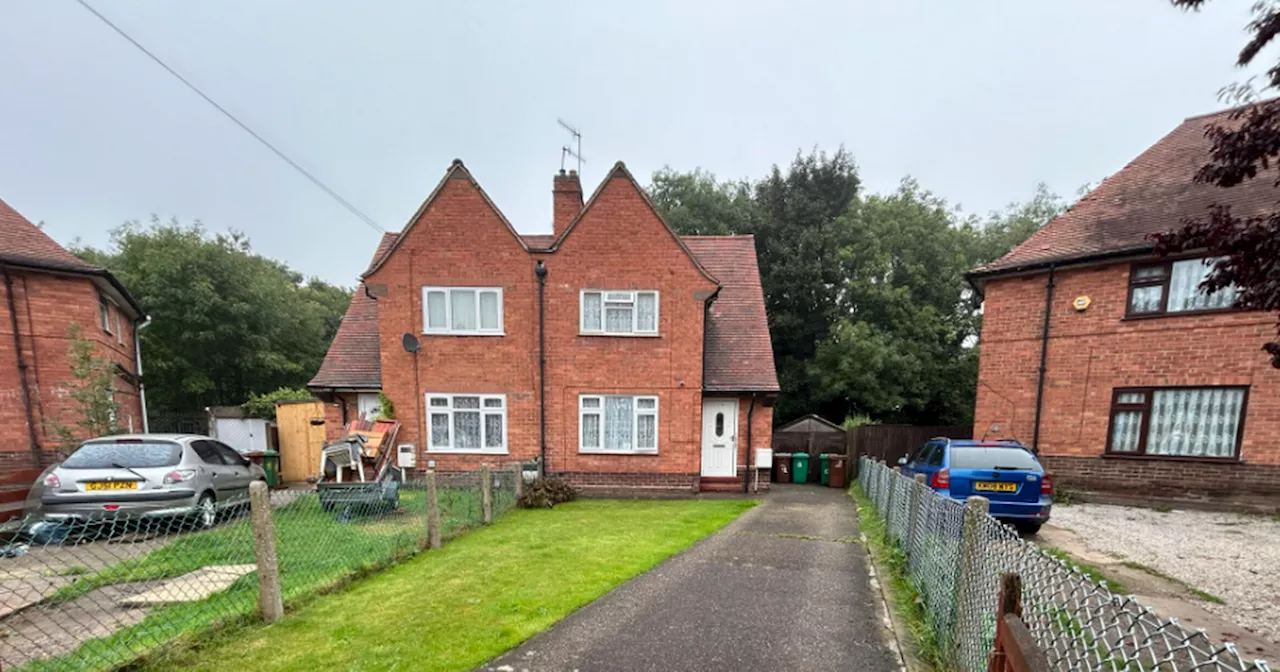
x,y
22,242
738,353
353,360
1151,194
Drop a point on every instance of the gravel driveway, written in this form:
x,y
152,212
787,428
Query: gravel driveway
x,y
1234,557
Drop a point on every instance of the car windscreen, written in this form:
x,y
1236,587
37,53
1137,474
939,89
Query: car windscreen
x,y
977,457
127,455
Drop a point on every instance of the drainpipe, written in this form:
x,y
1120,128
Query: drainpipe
x,y
541,271
138,325
746,478
1044,357
22,368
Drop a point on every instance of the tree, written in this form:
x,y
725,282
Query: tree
x,y
868,307
1246,144
92,392
226,323
264,405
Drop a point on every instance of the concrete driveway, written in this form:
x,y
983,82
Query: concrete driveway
x,y
784,587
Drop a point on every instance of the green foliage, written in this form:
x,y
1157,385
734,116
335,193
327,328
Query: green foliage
x,y
545,493
227,323
869,311
91,390
388,408
264,405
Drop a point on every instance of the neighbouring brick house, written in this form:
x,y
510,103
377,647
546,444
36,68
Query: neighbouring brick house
x,y
1150,386
658,364
44,289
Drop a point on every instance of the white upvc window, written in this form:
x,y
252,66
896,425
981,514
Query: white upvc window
x,y
612,423
619,313
467,423
475,311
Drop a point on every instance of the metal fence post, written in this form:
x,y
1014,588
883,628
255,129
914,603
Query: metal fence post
x,y
486,494
968,611
433,511
270,599
916,502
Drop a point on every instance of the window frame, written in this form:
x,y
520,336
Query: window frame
x,y
483,410
1145,408
635,312
1164,282
636,412
448,329
104,313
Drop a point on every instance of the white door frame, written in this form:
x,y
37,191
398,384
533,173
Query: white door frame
x,y
715,464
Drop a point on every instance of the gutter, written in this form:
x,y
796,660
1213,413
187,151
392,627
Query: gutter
x,y
138,325
975,278
1044,356
36,452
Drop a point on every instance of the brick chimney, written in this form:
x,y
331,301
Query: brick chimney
x,y
567,194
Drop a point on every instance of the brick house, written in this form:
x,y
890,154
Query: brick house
x,y
657,368
1149,385
45,290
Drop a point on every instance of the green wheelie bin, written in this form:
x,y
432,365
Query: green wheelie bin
x,y
800,468
824,469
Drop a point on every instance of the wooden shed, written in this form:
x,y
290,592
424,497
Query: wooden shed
x,y
301,429
810,434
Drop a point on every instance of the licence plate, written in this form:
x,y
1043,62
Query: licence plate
x,y
991,486
111,485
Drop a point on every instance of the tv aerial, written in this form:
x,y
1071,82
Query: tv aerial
x,y
574,148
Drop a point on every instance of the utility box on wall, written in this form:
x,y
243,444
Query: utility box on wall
x,y
764,458
406,456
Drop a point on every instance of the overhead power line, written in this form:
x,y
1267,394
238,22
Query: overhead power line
x,y
284,157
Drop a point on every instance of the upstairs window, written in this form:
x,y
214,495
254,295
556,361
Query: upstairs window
x,y
104,313
1174,287
462,310
619,313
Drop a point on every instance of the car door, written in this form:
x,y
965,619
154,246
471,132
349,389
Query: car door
x,y
930,460
221,477
915,459
237,468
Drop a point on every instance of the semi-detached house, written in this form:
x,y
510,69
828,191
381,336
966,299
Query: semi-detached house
x,y
1113,362
622,354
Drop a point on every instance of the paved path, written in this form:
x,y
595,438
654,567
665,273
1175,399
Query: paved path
x,y
784,587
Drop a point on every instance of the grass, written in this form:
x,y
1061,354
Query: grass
x,y
1094,572
908,604
317,554
477,597
1192,590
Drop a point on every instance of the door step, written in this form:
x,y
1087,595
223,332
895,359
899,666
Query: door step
x,y
720,484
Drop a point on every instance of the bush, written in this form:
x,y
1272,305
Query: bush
x,y
545,493
264,405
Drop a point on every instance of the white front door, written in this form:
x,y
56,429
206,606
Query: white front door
x,y
719,437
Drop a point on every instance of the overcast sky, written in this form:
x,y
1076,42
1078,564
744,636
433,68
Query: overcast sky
x,y
978,100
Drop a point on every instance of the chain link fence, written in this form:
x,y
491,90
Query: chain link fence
x,y
98,594
956,554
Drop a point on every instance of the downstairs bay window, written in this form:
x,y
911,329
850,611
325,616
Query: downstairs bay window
x,y
1189,422
467,423
617,424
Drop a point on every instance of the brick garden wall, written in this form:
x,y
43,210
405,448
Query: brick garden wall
x,y
1092,352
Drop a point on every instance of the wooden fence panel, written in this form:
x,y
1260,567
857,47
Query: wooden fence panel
x,y
890,442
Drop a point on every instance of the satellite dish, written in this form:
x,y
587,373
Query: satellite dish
x,y
410,343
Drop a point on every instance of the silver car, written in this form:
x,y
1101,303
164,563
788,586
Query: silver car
x,y
149,476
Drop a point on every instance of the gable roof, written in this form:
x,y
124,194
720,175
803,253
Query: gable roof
x,y
620,171
738,352
456,171
353,360
24,244
1153,193
810,423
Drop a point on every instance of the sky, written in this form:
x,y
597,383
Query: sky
x,y
979,101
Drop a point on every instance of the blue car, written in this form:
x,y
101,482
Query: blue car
x,y
1005,472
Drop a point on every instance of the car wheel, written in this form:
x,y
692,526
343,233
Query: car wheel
x,y
1029,529
206,512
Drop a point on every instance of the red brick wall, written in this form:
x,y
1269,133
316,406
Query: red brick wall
x,y
47,305
618,244
1092,352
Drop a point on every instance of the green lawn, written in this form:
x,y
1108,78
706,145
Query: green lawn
x,y
480,595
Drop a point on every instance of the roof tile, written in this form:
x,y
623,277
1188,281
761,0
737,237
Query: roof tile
x,y
353,360
1154,193
23,242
